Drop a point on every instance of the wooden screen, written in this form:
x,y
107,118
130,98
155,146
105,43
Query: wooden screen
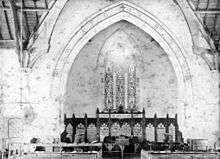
x,y
123,123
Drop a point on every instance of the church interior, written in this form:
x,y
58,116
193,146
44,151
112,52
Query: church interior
x,y
109,79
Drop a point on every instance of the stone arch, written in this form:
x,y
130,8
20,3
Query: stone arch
x,y
137,16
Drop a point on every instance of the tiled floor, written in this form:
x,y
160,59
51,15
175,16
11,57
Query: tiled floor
x,y
125,157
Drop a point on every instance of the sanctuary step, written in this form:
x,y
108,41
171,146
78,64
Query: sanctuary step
x,y
83,155
125,157
178,155
55,151
118,156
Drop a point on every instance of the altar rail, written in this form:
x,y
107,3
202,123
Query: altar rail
x,y
54,151
110,123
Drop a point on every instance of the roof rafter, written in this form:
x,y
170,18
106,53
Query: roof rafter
x,y
16,29
27,29
207,11
28,9
36,14
207,6
46,5
7,21
215,19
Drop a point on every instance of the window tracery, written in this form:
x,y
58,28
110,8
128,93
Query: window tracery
x,y
120,88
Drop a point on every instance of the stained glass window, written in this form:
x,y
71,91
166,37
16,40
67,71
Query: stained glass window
x,y
120,88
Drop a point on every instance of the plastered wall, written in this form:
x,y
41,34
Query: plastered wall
x,y
158,84
41,93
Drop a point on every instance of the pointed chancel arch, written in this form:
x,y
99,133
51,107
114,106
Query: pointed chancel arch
x,y
137,16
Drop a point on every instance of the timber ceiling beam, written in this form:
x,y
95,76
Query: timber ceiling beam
x,y
7,21
36,14
25,9
209,11
27,29
46,4
17,34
